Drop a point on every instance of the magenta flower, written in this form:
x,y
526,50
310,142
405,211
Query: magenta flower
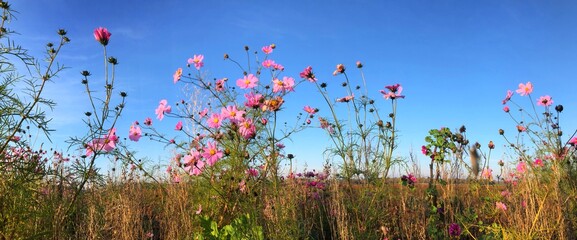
x,y
253,100
197,61
268,63
177,75
277,66
211,153
508,97
134,133
394,92
232,113
247,129
501,206
308,74
252,172
538,162
521,167
106,143
214,121
545,101
267,49
525,89
162,108
506,109
102,35
454,230
178,126
249,81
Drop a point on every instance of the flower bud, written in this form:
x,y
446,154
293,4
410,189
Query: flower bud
x,y
559,108
501,131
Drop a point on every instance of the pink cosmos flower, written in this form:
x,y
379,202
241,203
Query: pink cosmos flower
x,y
287,84
211,153
508,97
199,209
193,163
521,128
310,110
249,81
102,35
252,172
487,173
538,162
177,75
247,129
134,133
232,113
521,167
506,109
501,206
340,69
525,89
545,101
162,108
263,121
267,49
394,92
15,138
308,74
268,63
214,121
106,143
253,100
148,121
197,61
178,126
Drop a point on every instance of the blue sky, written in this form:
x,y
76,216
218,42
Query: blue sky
x,y
455,59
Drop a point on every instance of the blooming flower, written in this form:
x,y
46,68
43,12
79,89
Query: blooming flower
x,y
177,75
192,162
545,101
178,126
267,49
232,113
538,162
102,35
162,108
309,110
252,172
249,81
501,206
253,100
247,129
106,143
521,167
211,153
277,66
197,61
394,92
308,74
268,63
508,97
203,112
134,133
525,89
346,98
214,121
287,84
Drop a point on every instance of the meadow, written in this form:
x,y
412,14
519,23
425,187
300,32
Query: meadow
x,y
231,176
